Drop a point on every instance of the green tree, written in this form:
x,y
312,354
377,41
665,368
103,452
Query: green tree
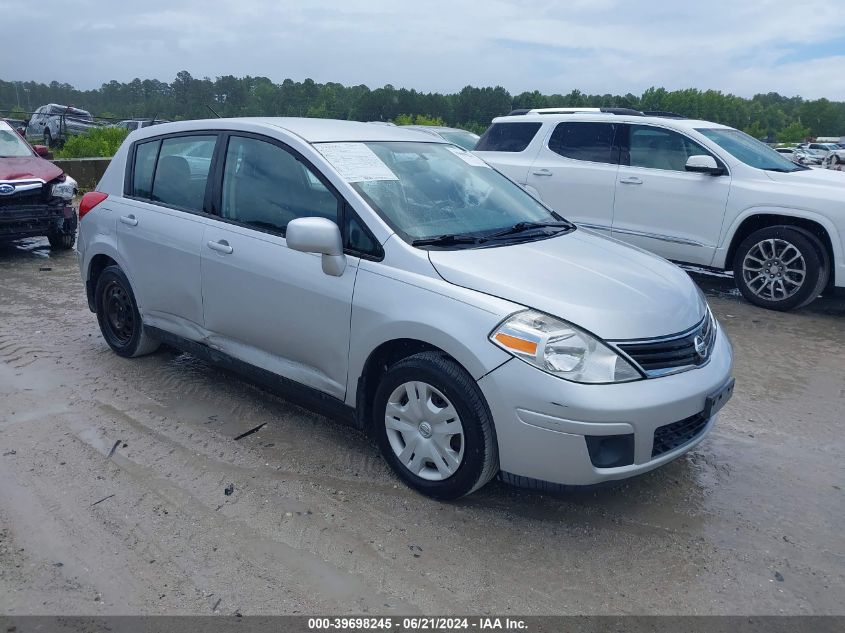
x,y
793,133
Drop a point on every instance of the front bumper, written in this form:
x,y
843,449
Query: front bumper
x,y
542,421
36,219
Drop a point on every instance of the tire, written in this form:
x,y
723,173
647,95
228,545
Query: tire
x,y
62,241
781,268
468,450
118,316
64,238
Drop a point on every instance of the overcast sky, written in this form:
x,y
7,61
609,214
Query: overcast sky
x,y
795,47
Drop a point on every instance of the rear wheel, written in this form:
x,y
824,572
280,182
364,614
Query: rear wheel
x,y
433,426
118,316
781,267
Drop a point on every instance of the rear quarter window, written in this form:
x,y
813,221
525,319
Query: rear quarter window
x,y
145,161
508,137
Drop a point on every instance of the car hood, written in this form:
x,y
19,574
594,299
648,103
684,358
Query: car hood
x,y
27,168
613,290
823,177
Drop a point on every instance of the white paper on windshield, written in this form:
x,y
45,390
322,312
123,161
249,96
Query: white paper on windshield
x,y
468,157
355,162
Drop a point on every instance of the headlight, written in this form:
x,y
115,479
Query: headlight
x,y
561,349
66,189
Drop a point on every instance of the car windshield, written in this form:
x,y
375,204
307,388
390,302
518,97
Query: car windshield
x,y
12,145
434,191
467,140
749,150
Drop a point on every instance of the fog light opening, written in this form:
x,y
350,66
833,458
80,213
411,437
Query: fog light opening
x,y
611,451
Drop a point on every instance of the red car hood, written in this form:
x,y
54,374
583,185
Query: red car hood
x,y
28,167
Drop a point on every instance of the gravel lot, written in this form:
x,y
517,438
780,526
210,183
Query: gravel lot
x,y
113,477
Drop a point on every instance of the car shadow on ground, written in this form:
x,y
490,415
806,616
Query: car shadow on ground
x,y
28,248
721,285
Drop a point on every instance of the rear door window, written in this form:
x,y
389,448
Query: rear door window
x,y
181,171
508,137
584,140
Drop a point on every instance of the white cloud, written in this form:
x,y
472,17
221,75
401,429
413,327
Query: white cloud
x,y
597,46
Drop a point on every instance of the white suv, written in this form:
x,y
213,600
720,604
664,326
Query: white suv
x,y
692,191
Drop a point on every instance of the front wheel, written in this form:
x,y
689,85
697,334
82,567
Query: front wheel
x,y
63,238
433,426
118,316
781,268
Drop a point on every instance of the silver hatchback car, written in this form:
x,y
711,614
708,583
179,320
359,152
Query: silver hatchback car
x,y
398,280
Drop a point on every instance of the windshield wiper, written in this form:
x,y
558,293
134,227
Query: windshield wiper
x,y
449,239
521,227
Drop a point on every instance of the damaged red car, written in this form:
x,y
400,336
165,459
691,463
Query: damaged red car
x,y
36,196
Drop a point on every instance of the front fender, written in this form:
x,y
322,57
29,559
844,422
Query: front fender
x,y
720,257
386,309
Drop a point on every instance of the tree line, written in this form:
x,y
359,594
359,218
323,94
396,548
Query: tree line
x,y
770,116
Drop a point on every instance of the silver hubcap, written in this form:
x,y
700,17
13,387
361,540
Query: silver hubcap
x,y
774,269
424,431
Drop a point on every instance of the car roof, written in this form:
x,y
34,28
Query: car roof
x,y
310,130
436,128
672,122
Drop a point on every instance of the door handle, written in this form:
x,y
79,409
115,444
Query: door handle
x,y
221,247
542,172
129,219
631,180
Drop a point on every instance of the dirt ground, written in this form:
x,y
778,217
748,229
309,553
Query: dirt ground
x,y
113,475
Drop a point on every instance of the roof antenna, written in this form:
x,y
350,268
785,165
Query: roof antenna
x,y
212,111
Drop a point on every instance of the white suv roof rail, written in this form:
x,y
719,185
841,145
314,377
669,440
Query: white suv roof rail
x,y
626,111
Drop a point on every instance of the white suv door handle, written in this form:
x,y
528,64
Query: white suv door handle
x,y
542,172
631,180
221,247
131,220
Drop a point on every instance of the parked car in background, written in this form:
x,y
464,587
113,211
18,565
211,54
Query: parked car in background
x,y
413,289
825,147
52,124
136,124
461,138
36,196
692,191
835,160
799,156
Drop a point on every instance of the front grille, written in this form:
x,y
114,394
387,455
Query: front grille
x,y
675,435
22,198
671,354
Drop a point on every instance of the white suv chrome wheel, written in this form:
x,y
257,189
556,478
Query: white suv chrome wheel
x,y
424,431
774,269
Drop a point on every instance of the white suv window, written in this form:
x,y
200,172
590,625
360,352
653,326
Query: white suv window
x,y
508,137
584,140
659,148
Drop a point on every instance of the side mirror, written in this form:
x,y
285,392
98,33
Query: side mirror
x,y
41,150
318,235
702,164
